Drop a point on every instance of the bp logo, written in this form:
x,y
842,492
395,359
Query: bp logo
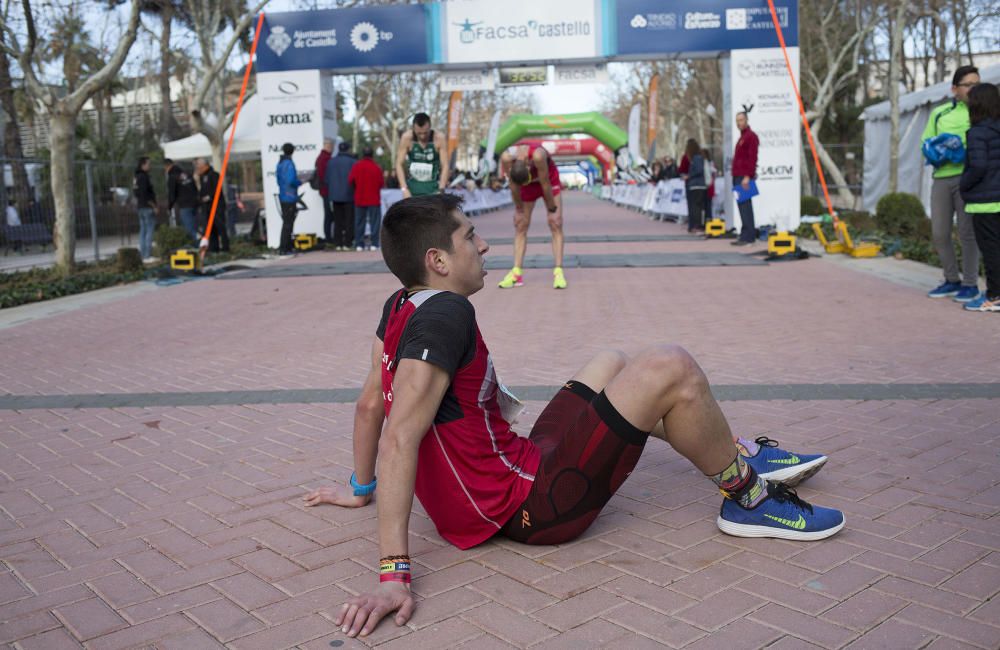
x,y
365,36
278,40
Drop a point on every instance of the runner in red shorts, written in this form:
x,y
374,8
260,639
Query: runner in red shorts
x,y
447,437
533,176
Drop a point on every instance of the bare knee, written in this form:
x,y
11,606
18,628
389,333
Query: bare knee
x,y
672,369
521,224
613,360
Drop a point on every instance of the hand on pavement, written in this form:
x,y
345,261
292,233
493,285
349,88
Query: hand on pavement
x,y
362,613
337,495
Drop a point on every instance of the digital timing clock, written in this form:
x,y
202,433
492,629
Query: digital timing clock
x,y
526,76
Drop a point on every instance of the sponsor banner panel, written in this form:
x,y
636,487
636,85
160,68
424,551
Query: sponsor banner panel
x,y
297,107
759,86
654,26
592,73
344,39
473,31
466,80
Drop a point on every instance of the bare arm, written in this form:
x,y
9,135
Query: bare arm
x,y
405,143
442,145
369,415
417,391
506,161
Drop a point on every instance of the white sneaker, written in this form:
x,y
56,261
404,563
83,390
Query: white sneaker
x,y
359,248
373,248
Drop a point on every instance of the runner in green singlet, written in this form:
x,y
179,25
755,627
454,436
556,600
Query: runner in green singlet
x,y
419,167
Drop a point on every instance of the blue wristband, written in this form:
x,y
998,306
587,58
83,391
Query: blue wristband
x,y
362,490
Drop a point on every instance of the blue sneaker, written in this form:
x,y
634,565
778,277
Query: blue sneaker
x,y
774,464
965,294
982,304
946,289
782,514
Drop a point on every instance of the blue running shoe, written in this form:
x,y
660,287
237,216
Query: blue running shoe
x,y
945,290
775,464
782,514
965,294
982,304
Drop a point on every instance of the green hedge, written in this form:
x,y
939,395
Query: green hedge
x,y
21,287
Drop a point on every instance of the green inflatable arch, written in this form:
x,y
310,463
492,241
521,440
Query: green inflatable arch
x,y
593,123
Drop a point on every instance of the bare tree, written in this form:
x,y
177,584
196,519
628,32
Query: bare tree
x,y
12,133
897,25
207,19
834,33
62,113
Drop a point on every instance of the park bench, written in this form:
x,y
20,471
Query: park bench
x,y
26,235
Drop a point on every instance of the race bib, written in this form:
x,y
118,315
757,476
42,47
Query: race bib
x,y
421,171
510,406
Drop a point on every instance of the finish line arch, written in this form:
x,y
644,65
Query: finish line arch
x,y
468,40
592,123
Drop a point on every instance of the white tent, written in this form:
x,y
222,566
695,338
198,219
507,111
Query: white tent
x,y
245,146
914,109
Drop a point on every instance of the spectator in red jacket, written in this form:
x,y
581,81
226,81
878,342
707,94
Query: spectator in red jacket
x,y
745,170
366,178
320,170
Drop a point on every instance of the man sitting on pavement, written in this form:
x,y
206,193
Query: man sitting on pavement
x,y
448,438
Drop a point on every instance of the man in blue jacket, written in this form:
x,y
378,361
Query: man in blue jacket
x,y
288,196
341,197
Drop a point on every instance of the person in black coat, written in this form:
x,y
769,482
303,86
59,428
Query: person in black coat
x,y
145,200
209,180
980,187
182,194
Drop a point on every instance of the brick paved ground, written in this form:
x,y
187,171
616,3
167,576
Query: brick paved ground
x,y
181,527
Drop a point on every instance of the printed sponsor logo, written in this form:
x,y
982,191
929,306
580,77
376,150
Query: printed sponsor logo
x,y
773,173
281,119
754,18
776,138
762,68
472,32
364,37
655,21
278,40
276,148
702,20
288,87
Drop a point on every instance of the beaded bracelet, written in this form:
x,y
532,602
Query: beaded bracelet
x,y
394,558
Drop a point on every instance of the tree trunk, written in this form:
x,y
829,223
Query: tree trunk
x,y
12,148
61,145
169,128
896,51
835,175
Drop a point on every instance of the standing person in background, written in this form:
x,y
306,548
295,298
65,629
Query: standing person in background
x,y
744,171
709,181
694,186
341,196
145,200
419,166
288,196
182,193
946,201
320,170
980,187
366,177
218,239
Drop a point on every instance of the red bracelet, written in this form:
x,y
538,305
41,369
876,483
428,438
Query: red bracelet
x,y
399,576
